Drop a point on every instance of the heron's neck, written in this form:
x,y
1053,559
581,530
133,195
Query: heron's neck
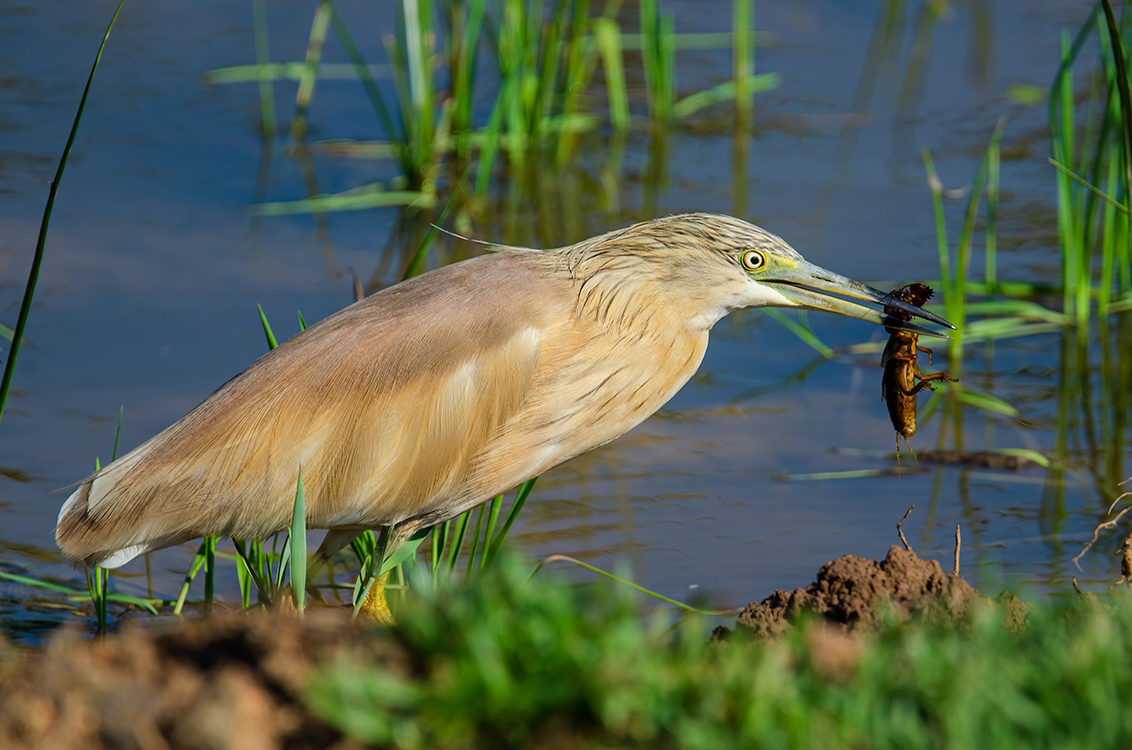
x,y
622,291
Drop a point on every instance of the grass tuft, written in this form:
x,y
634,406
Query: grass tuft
x,y
505,664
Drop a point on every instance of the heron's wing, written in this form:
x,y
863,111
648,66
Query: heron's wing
x,y
384,406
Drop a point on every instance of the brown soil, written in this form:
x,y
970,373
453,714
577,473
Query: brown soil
x,y
236,681
852,592
229,681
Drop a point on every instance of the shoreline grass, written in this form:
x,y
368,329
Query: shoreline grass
x,y
508,664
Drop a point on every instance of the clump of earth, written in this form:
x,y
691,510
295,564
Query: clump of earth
x,y
237,680
853,593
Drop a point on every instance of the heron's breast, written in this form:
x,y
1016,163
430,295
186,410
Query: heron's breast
x,y
590,388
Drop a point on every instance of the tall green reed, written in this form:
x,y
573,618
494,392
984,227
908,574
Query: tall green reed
x,y
98,578
17,335
955,271
1093,223
1091,133
473,80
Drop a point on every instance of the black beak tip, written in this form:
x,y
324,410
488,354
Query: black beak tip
x,y
893,324
889,300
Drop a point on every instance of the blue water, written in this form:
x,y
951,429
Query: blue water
x,y
154,266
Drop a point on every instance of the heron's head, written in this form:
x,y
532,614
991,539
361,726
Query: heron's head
x,y
719,263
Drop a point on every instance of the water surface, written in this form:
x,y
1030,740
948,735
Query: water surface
x,y
155,265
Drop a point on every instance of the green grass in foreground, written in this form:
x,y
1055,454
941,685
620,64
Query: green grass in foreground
x,y
501,664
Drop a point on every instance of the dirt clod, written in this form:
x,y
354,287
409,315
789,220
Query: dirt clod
x,y
850,591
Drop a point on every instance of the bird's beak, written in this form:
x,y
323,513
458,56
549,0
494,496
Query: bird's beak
x,y
813,287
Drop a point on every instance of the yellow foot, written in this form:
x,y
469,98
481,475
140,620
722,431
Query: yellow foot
x,y
374,605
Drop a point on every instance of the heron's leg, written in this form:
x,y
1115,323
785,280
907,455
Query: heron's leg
x,y
405,536
374,605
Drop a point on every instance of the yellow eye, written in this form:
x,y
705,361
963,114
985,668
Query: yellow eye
x,y
753,260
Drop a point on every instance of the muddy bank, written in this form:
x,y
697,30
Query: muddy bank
x,y
237,680
229,681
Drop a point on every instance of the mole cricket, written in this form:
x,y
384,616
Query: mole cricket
x,y
902,379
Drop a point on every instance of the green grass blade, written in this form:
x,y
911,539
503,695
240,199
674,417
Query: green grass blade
x,y
517,506
801,331
149,605
475,540
743,56
957,305
355,199
608,36
190,576
652,59
457,541
253,568
990,266
574,73
310,70
41,584
462,63
209,572
627,582
489,146
942,248
118,434
262,562
1089,186
702,41
405,551
97,581
41,242
363,546
366,73
271,341
417,262
1030,455
1122,88
263,59
985,402
284,560
1061,125
293,71
489,534
723,92
244,581
439,544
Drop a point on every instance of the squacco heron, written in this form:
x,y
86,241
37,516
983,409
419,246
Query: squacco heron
x,y
431,397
